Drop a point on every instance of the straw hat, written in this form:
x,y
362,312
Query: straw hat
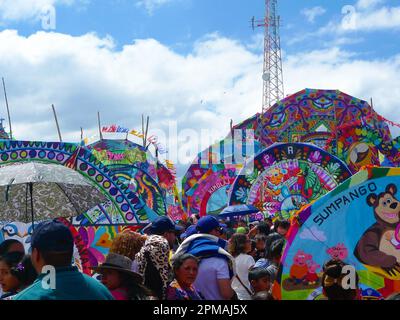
x,y
120,263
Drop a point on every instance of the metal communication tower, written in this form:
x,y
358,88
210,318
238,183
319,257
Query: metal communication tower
x,y
272,72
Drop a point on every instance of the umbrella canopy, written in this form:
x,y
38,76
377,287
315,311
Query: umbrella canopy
x,y
238,210
37,191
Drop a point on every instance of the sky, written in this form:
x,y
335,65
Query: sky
x,y
195,63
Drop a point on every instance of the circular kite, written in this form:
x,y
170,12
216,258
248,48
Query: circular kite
x,y
315,116
210,194
284,177
358,223
207,182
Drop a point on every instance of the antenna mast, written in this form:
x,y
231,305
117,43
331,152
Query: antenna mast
x,y
272,72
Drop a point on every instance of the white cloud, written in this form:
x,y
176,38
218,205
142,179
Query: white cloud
x,y
364,16
369,20
368,4
15,10
151,5
312,13
81,75
219,80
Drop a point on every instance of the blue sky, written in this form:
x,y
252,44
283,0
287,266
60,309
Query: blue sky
x,y
197,62
179,23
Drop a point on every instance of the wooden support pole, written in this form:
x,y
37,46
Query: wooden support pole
x,y
55,118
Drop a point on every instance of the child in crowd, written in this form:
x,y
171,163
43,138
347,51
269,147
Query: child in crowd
x,y
260,280
16,273
332,282
263,295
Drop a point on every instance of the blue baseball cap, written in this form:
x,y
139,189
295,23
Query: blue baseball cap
x,y
164,224
52,236
191,230
224,227
207,223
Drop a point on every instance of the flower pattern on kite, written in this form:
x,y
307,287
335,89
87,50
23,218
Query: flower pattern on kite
x,y
310,116
286,177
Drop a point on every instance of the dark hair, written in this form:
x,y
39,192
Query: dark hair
x,y
179,260
259,273
20,267
262,295
333,270
237,244
6,245
285,224
135,290
269,219
57,259
263,228
253,245
276,249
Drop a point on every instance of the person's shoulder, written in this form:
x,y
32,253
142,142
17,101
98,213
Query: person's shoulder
x,y
33,292
97,286
92,281
248,258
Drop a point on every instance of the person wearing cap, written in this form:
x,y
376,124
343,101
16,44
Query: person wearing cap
x,y
241,230
166,228
52,247
123,283
153,259
217,266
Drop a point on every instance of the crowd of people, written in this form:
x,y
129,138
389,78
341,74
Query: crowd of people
x,y
204,259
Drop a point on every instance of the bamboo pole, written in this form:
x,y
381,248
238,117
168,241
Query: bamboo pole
x,y
8,109
58,127
98,121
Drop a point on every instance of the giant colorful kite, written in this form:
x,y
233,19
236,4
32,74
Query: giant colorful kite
x,y
359,223
308,116
284,177
206,185
124,205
